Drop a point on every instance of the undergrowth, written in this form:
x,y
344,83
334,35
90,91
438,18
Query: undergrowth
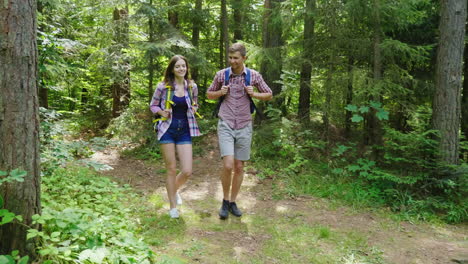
x,y
407,180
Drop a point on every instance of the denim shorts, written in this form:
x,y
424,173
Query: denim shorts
x,y
178,133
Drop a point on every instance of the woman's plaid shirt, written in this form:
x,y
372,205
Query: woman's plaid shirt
x,y
158,102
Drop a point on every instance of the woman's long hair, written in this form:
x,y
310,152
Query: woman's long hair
x,y
169,76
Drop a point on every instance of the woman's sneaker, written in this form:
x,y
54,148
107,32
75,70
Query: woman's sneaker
x,y
174,213
178,198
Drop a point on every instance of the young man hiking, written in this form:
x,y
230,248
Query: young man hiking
x,y
234,87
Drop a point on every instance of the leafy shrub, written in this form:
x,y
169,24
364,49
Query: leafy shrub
x,y
407,179
97,224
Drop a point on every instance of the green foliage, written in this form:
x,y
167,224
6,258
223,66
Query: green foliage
x,y
380,113
15,175
408,179
88,218
14,258
134,124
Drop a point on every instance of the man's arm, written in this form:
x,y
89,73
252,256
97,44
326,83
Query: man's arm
x,y
216,94
262,96
216,89
264,92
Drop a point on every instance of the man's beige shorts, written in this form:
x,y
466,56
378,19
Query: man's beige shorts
x,y
236,142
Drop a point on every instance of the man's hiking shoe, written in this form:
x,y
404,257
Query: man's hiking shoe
x,y
178,198
224,210
174,213
234,210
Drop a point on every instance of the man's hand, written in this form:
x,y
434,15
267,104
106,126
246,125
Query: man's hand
x,y
249,90
224,90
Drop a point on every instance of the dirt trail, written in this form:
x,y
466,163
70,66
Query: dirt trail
x,y
203,238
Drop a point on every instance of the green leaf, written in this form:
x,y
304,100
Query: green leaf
x,y
357,118
353,168
364,109
382,115
7,216
351,108
337,171
6,260
3,173
35,217
18,175
375,105
24,260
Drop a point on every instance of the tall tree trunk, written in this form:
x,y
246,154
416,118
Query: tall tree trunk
x,y
464,103
333,26
151,34
446,106
373,125
224,37
237,6
328,89
43,90
173,15
349,97
197,24
306,69
19,121
271,64
121,85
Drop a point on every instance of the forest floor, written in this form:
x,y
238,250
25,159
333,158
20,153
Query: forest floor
x,y
292,230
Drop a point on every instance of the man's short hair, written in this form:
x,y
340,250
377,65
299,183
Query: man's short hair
x,y
238,47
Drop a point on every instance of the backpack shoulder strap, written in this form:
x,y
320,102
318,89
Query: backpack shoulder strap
x,y
169,95
227,74
247,77
190,91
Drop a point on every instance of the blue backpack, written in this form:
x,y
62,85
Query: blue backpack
x,y
227,74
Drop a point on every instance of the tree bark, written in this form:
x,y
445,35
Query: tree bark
x,y
197,24
271,64
464,103
373,126
349,97
224,37
121,85
237,6
173,15
306,69
151,34
43,90
19,120
446,110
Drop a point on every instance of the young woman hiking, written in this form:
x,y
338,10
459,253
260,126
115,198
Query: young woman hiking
x,y
175,101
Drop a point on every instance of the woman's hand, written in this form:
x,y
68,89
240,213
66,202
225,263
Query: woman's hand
x,y
165,113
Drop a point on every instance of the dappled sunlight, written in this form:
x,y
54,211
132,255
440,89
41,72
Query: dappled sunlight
x,y
281,209
201,191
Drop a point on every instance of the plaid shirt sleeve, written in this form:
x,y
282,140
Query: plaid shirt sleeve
x,y
257,81
194,129
155,105
217,81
